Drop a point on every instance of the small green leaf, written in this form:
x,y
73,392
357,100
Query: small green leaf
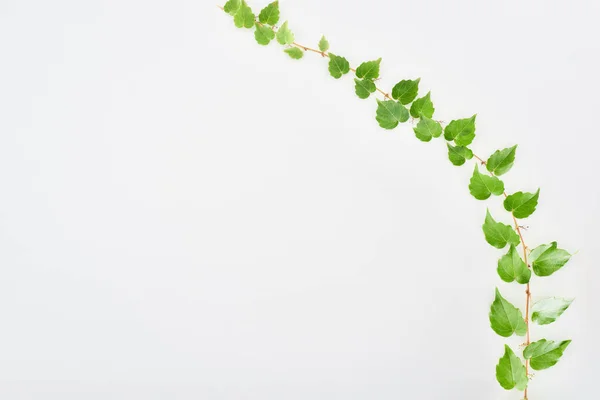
x,y
483,186
505,318
547,310
545,353
338,66
323,44
522,204
511,267
364,87
368,69
285,35
390,113
510,371
427,129
498,234
422,106
406,90
263,34
459,154
232,6
295,53
501,161
270,14
244,18
548,258
462,131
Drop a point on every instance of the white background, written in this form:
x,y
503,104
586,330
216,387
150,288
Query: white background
x,y
187,215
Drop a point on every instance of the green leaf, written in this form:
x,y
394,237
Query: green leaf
x,y
505,318
263,34
501,161
462,131
244,18
338,66
546,311
548,258
232,6
422,106
483,186
511,267
295,53
510,371
364,87
498,234
522,204
285,35
459,154
390,113
368,69
270,14
406,90
427,129
323,44
545,353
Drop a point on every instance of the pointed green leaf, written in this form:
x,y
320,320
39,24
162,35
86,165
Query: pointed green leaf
x,y
406,90
323,44
232,6
368,69
462,131
501,161
285,35
545,353
510,371
498,234
364,87
459,154
483,186
511,267
427,129
422,106
244,18
270,14
338,66
547,310
390,113
295,53
263,34
548,258
522,204
505,318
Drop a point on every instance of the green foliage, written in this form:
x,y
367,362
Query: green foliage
x,y
521,204
547,310
427,129
498,234
422,106
390,113
505,318
511,267
244,18
263,34
548,258
338,66
323,44
406,90
483,186
510,371
545,353
501,161
459,154
364,87
285,35
462,131
270,14
368,70
232,6
295,53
